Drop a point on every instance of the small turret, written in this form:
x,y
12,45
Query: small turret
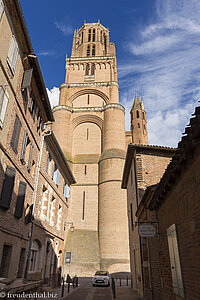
x,y
138,122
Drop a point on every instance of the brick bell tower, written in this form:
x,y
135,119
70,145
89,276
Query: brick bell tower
x,y
90,127
138,122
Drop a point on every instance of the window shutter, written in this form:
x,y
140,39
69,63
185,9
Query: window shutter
x,y
24,146
20,200
12,54
31,102
1,8
66,191
15,135
48,163
53,172
175,261
3,107
38,120
7,189
30,158
27,79
34,110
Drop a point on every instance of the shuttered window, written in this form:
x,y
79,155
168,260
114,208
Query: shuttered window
x,y
15,136
7,189
56,175
30,158
175,261
1,8
24,145
13,54
4,97
26,82
20,200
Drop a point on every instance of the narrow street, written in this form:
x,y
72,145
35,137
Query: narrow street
x,y
87,292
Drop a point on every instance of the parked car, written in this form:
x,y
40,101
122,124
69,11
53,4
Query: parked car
x,y
101,278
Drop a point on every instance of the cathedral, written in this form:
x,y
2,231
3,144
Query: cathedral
x,y
90,128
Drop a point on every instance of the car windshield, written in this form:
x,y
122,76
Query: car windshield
x,y
101,273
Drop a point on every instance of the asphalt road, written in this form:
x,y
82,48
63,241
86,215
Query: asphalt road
x,y
87,292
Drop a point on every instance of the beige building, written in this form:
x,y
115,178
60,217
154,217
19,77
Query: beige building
x,y
24,110
90,127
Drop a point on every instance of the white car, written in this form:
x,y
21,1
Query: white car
x,y
101,278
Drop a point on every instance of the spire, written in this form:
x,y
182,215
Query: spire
x,y
136,103
142,103
75,32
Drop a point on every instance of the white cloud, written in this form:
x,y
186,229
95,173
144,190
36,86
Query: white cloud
x,y
46,53
53,96
66,29
165,70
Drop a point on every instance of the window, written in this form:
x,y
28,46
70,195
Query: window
x,y
88,50
56,174
92,69
39,120
143,115
48,163
87,134
30,158
88,100
68,257
13,54
32,105
82,37
1,8
137,113
105,43
101,38
87,69
59,217
7,189
138,125
66,190
5,261
93,35
175,261
83,211
4,97
52,211
20,200
89,35
21,263
34,256
15,136
24,146
85,169
93,50
44,204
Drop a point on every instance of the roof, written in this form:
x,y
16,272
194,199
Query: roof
x,y
186,146
136,103
63,165
148,193
19,24
135,148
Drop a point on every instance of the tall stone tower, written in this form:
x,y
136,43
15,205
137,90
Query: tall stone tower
x,y
138,122
90,127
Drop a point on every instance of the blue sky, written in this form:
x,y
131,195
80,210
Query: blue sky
x,y
158,53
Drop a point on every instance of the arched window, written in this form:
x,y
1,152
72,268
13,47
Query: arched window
x,y
92,69
101,37
137,114
138,125
87,69
89,35
88,50
93,35
105,43
82,37
93,50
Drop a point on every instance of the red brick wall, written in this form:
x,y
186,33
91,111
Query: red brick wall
x,y
181,207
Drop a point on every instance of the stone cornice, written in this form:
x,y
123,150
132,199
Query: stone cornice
x,y
88,58
89,109
86,84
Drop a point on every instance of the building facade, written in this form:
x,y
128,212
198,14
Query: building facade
x,y
94,145
144,166
24,110
175,201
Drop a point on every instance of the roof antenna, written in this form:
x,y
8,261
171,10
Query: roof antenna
x,y
135,93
